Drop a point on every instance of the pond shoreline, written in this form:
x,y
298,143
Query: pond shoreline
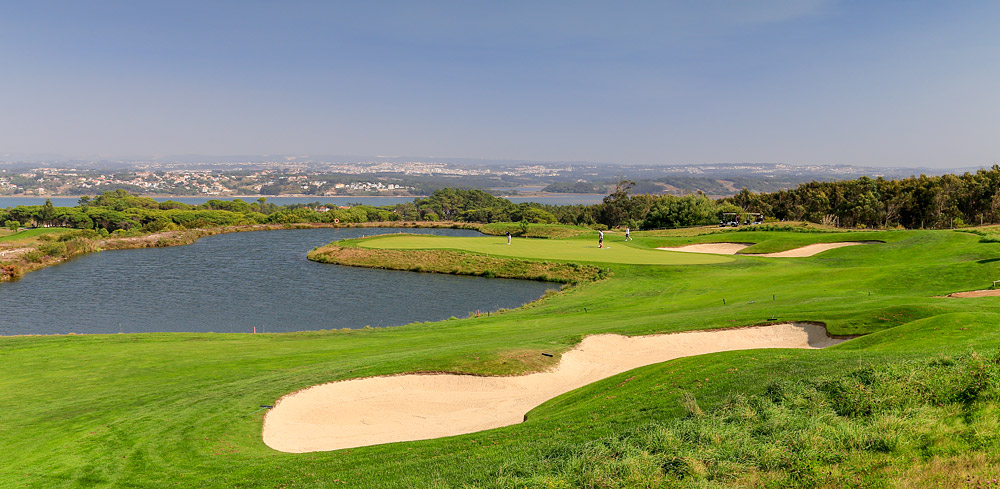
x,y
456,263
241,283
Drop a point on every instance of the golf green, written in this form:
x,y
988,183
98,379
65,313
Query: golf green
x,y
548,249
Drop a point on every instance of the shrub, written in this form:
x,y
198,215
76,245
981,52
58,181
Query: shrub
x,y
33,256
54,249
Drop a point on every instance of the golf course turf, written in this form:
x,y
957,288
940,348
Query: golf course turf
x,y
912,403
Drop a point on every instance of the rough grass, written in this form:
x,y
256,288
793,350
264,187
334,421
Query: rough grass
x,y
803,432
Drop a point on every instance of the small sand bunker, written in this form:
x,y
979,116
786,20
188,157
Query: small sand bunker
x,y
976,293
716,248
810,250
375,410
733,248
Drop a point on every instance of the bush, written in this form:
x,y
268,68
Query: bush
x,y
54,249
33,256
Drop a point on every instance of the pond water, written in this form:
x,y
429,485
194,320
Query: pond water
x,y
236,282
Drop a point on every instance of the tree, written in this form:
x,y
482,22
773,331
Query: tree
x,y
616,207
540,216
12,225
47,213
672,212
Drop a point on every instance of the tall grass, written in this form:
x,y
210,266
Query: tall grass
x,y
799,432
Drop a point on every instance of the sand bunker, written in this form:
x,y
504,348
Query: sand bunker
x,y
810,250
733,248
976,293
716,248
375,410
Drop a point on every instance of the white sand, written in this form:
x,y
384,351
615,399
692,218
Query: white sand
x,y
716,248
809,250
733,248
976,293
409,407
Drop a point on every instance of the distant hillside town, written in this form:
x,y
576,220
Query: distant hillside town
x,y
407,178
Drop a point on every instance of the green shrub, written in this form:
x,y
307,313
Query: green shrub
x,y
54,249
33,256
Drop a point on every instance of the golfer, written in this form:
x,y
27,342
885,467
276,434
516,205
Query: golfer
x,y
628,235
600,239
508,237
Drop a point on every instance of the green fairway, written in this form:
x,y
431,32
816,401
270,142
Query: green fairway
x,y
29,234
908,405
549,249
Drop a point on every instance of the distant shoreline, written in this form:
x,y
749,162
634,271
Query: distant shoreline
x,y
200,196
302,196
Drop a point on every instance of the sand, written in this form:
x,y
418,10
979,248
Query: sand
x,y
733,248
976,293
809,250
716,248
376,410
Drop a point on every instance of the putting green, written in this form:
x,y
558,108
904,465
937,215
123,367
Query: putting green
x,y
547,249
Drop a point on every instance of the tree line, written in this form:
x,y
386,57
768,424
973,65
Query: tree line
x,y
931,202
916,202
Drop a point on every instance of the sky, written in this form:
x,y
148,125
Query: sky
x,y
878,83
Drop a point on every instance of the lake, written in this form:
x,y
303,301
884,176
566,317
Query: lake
x,y
235,282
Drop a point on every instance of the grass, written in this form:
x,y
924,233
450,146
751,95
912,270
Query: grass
x,y
30,235
178,410
535,230
457,263
583,250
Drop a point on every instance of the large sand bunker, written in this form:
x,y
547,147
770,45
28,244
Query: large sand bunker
x,y
733,248
375,410
976,293
810,250
716,248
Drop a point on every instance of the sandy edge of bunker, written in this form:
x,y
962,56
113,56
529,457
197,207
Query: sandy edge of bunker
x,y
375,410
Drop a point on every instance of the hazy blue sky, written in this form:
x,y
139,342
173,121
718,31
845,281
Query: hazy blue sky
x,y
904,83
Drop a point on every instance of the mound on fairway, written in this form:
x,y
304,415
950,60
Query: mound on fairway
x,y
545,249
410,407
716,248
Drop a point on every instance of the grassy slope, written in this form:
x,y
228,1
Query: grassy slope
x,y
175,409
29,235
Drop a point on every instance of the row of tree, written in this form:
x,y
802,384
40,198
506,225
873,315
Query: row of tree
x,y
121,211
915,202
